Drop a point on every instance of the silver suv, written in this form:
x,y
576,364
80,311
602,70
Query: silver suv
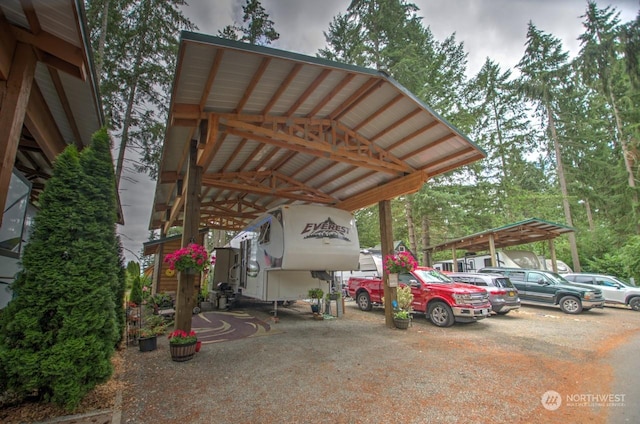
x,y
502,294
613,289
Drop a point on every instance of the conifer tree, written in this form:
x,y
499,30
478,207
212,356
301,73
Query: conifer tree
x,y
57,336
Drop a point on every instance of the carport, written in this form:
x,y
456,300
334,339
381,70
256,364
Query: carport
x,y
521,232
251,128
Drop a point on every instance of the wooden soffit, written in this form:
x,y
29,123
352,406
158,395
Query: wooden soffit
x,y
275,127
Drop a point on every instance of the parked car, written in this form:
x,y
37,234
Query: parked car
x,y
442,300
549,288
502,293
613,289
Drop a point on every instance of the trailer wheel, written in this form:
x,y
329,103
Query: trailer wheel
x,y
364,301
634,303
570,305
440,314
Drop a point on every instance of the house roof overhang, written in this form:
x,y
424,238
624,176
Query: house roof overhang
x,y
522,232
274,127
64,104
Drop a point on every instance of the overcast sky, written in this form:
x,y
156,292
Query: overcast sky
x,y
487,28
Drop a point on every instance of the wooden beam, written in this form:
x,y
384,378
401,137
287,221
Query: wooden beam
x,y
43,127
282,88
7,48
266,183
264,64
12,112
405,185
57,50
322,149
213,140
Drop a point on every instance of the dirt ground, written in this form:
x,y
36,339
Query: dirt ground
x,y
356,370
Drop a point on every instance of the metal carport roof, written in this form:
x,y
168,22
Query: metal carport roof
x,y
522,232
275,127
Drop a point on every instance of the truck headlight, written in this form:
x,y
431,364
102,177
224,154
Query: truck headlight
x,y
589,295
462,298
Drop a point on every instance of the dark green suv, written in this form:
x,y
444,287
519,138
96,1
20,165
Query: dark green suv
x,y
548,288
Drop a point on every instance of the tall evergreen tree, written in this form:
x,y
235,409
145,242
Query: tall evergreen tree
x,y
139,52
602,68
256,26
544,67
57,336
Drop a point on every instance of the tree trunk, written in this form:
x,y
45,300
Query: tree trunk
x,y
563,189
124,137
408,210
426,241
627,157
102,40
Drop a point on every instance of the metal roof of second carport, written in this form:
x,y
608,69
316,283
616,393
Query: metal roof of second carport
x,y
274,127
521,232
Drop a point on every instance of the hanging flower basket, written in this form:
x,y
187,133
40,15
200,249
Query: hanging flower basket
x,y
191,259
401,263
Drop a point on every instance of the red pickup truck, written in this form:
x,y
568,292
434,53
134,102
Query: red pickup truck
x,y
441,299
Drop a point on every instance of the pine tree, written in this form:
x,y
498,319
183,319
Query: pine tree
x,y
139,45
257,28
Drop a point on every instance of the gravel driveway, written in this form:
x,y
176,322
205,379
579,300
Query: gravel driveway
x,y
355,370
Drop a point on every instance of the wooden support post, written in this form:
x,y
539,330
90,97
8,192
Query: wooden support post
x,y
184,296
492,250
12,112
386,239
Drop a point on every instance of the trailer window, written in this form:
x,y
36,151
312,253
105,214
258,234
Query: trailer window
x,y
265,233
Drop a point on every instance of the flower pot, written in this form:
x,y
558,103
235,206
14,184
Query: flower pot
x,y
402,324
148,344
189,271
315,308
182,352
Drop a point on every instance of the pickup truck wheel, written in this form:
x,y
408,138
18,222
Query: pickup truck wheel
x,y
503,312
634,302
570,305
363,301
440,314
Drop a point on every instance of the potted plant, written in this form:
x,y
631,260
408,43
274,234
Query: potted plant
x,y
153,327
182,345
190,259
400,263
316,294
402,308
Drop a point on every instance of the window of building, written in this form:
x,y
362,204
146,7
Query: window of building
x,y
14,226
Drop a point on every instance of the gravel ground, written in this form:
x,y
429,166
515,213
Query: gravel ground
x,y
356,370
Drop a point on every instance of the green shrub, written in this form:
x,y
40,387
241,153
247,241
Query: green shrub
x,y
58,334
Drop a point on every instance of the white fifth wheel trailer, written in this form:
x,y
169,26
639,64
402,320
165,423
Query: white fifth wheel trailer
x,y
286,252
